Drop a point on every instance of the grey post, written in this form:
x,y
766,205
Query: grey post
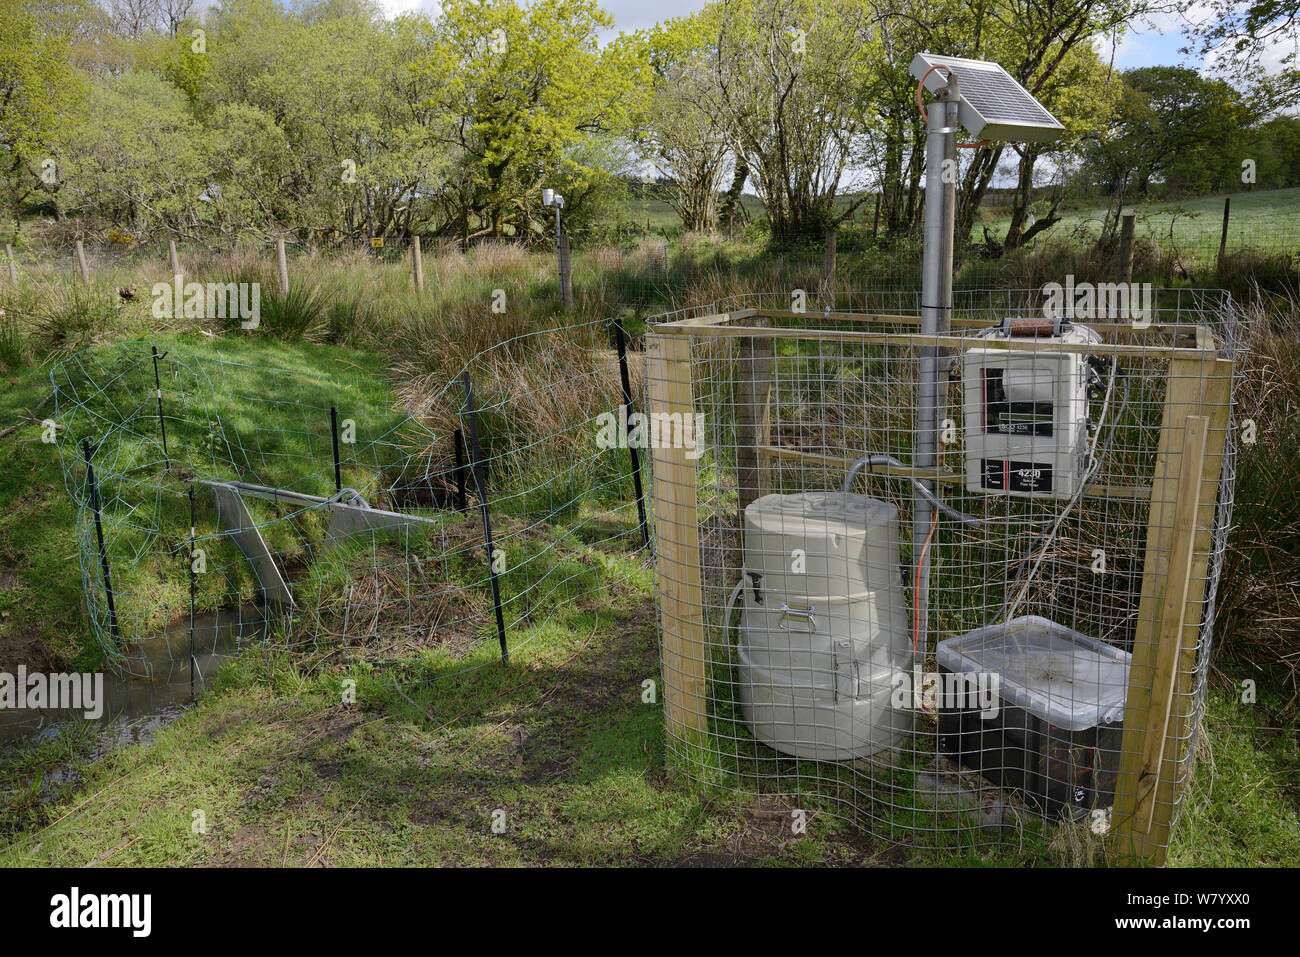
x,y
417,263
936,310
566,274
13,270
174,256
282,262
81,263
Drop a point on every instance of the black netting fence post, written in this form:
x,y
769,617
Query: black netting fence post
x,y
99,534
157,391
621,342
479,487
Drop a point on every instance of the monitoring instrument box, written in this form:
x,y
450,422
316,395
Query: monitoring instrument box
x,y
1026,413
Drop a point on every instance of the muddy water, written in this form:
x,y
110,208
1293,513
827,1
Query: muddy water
x,y
161,683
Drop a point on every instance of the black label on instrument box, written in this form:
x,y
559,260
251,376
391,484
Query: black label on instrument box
x,y
1012,476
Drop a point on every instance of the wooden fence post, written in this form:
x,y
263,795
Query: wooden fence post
x,y
1165,642
677,546
81,263
13,270
174,257
1223,235
417,263
1127,234
282,262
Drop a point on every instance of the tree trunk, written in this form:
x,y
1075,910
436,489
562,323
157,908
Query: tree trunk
x,y
731,201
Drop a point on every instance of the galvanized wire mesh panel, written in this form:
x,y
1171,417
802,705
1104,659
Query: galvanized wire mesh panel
x,y
995,667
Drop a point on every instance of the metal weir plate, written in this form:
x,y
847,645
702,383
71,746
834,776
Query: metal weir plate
x,y
349,515
992,104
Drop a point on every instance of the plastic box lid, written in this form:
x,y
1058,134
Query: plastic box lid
x,y
1057,674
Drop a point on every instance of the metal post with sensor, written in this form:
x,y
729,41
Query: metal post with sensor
x,y
991,105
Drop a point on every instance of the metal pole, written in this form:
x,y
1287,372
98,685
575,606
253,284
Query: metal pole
x,y
631,446
99,534
334,434
476,466
936,307
559,256
157,391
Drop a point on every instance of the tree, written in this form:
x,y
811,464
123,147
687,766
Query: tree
x,y
137,155
794,82
522,87
39,88
1172,126
1239,34
680,134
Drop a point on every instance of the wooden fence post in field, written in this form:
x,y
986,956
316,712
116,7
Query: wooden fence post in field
x,y
283,263
13,270
1223,236
174,257
1127,234
566,274
81,263
417,263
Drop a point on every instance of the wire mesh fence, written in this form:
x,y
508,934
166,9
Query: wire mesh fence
x,y
1008,641
662,267
221,503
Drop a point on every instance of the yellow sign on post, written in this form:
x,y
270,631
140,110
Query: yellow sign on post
x,y
377,242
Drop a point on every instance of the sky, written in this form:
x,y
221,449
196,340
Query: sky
x,y
1152,43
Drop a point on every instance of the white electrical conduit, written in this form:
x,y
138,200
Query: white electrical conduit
x,y
925,493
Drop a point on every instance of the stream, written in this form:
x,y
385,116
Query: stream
x,y
136,707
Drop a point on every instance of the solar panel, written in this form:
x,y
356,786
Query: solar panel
x,y
992,104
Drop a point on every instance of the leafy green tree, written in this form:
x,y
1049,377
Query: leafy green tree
x,y
1173,128
39,89
137,156
680,135
794,83
522,87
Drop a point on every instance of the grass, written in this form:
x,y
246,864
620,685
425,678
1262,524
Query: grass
x,y
1263,220
284,772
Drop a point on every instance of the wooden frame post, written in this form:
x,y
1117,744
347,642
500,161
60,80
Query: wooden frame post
x,y
1159,707
753,420
677,544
